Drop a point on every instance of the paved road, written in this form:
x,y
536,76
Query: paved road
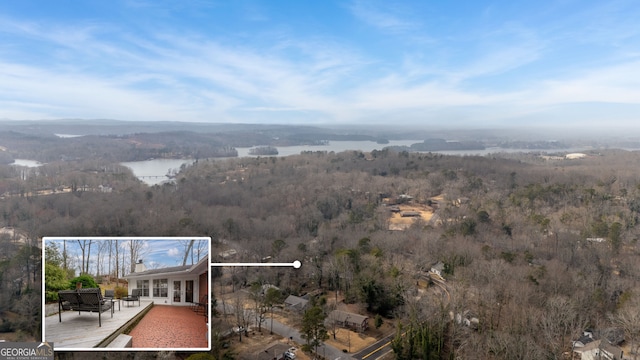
x,y
375,351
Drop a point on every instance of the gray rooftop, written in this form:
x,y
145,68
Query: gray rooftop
x,y
170,269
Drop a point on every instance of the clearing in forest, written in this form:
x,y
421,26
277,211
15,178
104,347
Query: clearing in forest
x,y
404,215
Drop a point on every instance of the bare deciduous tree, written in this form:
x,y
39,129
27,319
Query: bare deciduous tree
x,y
85,247
628,318
137,249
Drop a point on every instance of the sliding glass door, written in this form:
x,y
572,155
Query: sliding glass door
x,y
177,291
188,286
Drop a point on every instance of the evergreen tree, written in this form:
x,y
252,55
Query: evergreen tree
x,y
313,329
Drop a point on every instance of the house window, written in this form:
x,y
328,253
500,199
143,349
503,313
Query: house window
x,y
160,288
144,285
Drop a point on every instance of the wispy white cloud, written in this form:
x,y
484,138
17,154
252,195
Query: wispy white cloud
x,y
173,252
270,109
71,94
618,83
100,69
500,52
385,16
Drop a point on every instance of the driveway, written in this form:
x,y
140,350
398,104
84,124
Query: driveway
x,y
327,351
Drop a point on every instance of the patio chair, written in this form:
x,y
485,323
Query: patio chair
x,y
194,304
67,300
110,296
89,300
201,305
135,296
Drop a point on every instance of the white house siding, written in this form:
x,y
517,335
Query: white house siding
x,y
181,274
169,299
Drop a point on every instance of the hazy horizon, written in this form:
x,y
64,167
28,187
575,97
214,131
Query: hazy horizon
x,y
533,131
335,63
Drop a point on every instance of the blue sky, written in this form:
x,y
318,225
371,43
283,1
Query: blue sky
x,y
452,63
160,253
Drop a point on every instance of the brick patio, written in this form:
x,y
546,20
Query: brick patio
x,y
171,327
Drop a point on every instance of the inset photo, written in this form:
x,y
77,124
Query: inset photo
x,y
126,293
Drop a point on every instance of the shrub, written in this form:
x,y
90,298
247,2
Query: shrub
x,y
55,280
378,321
86,280
508,256
201,356
6,326
50,297
120,292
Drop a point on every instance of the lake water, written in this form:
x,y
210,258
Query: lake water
x,y
335,146
67,136
153,172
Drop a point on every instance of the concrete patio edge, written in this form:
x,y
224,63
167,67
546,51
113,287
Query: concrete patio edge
x,y
124,328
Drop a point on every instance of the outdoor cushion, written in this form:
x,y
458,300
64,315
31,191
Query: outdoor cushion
x,y
88,299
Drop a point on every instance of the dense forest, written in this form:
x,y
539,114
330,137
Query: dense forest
x,y
535,250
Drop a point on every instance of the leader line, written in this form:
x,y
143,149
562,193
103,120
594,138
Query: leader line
x,y
296,264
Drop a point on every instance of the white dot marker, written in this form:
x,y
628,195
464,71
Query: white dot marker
x,y
296,264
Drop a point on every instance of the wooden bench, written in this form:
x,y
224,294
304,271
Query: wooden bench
x,y
89,300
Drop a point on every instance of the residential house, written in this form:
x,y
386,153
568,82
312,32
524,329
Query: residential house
x,y
613,335
599,350
296,303
588,351
574,156
410,214
586,338
349,320
176,285
105,189
437,268
228,254
274,352
461,201
394,209
610,352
